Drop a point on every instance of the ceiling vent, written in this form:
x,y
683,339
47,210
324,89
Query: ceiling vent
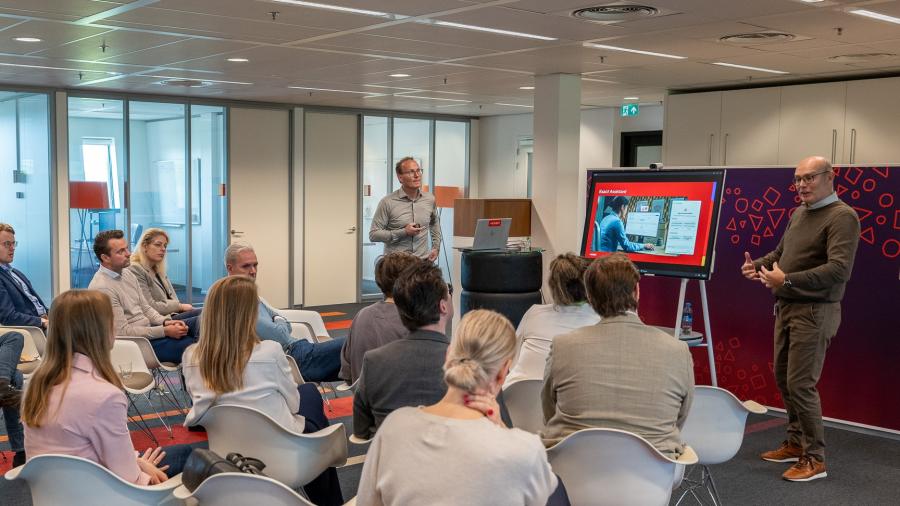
x,y
860,57
616,13
185,83
767,37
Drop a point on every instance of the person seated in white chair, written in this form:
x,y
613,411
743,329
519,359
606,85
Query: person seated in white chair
x,y
543,322
148,264
458,451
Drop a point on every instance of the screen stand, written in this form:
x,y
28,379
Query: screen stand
x,y
697,339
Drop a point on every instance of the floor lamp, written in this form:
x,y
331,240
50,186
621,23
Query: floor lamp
x,y
86,197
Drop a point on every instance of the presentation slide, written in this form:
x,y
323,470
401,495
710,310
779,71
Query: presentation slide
x,y
664,220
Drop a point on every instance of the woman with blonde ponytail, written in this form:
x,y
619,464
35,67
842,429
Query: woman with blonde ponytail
x,y
458,451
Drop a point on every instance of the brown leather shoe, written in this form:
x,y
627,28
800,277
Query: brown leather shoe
x,y
787,452
9,396
806,469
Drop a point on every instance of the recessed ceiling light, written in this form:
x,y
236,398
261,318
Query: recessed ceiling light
x,y
747,67
238,60
476,28
638,51
339,8
526,87
331,89
513,105
398,75
208,81
812,1
631,98
27,39
431,98
875,15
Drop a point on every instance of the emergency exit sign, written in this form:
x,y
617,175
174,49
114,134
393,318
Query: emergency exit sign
x,y
630,110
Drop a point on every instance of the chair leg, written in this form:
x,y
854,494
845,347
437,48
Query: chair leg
x,y
142,424
163,379
713,491
160,417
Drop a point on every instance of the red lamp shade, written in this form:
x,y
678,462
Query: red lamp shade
x,y
88,195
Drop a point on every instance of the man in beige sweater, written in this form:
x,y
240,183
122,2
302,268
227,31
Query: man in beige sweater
x,y
807,273
619,373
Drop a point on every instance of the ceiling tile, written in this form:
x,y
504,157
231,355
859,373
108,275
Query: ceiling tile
x,y
398,47
117,43
172,54
56,9
52,34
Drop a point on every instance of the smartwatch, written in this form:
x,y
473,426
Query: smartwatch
x,y
787,282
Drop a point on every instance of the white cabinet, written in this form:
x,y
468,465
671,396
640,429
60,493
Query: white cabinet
x,y
812,122
691,134
872,128
750,126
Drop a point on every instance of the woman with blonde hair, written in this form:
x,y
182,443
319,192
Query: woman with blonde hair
x,y
458,451
74,404
231,365
543,322
148,264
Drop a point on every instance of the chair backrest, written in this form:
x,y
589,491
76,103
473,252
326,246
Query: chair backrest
x,y
612,467
715,425
291,458
242,488
62,479
126,353
295,370
143,344
312,319
35,340
523,402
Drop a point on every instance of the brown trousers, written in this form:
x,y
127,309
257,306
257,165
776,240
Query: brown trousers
x,y
803,332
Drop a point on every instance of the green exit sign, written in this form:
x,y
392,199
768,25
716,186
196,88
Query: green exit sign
x,y
630,110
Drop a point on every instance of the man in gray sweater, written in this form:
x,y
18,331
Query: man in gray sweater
x,y
807,272
132,313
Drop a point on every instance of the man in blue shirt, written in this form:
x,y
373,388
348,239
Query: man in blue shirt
x,y
609,234
317,361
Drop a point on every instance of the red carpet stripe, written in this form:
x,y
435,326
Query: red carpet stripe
x,y
331,313
340,324
761,426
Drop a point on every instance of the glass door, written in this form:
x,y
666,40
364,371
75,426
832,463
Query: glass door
x,y
376,183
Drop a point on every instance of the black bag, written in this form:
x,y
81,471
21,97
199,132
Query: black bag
x,y
201,464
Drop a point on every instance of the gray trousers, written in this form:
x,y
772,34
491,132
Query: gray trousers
x,y
803,332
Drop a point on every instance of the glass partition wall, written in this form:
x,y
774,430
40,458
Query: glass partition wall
x,y
25,183
162,168
442,150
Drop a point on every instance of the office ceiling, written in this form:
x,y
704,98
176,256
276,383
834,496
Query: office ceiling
x,y
433,55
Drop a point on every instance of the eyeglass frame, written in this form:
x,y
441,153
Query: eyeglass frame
x,y
809,178
10,244
411,172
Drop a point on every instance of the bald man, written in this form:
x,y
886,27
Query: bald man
x,y
807,273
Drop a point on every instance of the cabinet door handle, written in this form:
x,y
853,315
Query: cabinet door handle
x,y
725,151
351,230
236,232
852,145
709,151
833,144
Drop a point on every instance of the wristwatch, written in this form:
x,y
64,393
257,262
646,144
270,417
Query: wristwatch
x,y
787,282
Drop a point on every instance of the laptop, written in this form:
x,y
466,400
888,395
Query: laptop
x,y
490,234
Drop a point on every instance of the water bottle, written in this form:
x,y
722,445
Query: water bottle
x,y
687,320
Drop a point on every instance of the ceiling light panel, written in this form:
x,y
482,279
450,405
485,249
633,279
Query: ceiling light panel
x,y
635,51
512,17
748,67
875,15
498,31
331,90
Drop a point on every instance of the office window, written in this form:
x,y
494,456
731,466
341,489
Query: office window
x,y
25,183
376,183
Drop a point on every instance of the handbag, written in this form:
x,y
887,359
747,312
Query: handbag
x,y
202,463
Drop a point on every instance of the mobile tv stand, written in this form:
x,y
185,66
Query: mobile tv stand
x,y
696,339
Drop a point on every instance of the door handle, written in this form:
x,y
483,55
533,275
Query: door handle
x,y
852,145
725,150
351,230
833,144
236,232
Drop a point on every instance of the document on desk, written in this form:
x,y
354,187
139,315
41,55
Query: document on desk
x,y
645,224
683,222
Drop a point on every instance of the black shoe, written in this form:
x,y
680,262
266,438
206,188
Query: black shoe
x,y
19,459
9,396
196,428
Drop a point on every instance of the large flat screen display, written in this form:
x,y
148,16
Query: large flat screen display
x,y
665,221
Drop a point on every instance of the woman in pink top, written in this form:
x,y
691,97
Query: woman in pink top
x,y
75,405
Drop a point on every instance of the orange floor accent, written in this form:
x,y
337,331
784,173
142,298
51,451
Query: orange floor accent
x,y
340,324
339,407
332,313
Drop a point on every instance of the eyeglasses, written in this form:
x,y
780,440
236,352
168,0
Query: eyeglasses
x,y
417,172
9,244
809,178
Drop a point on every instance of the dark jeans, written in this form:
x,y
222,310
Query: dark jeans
x,y
11,344
170,350
188,314
319,361
325,489
176,456
559,497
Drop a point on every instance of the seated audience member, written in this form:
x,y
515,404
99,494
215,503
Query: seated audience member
x,y
378,324
75,405
542,322
619,373
11,344
230,365
458,451
148,264
407,372
317,361
132,312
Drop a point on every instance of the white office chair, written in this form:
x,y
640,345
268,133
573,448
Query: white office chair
x,y
126,356
295,370
37,336
291,457
523,402
160,370
715,430
613,467
74,481
311,321
241,489
29,350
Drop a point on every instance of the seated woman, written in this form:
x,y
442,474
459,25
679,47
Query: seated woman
x,y
458,451
74,404
543,322
148,264
230,365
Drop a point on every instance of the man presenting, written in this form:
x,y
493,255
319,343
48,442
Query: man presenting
x,y
402,216
808,273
